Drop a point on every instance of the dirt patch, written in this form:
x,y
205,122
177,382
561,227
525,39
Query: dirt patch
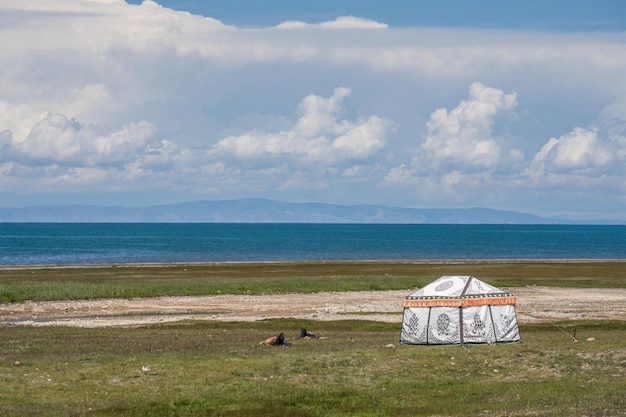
x,y
534,304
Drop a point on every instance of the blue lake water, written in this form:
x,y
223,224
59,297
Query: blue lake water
x,y
96,243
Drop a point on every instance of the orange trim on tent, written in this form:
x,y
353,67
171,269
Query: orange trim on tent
x,y
459,302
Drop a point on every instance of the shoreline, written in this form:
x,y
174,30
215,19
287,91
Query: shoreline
x,y
459,261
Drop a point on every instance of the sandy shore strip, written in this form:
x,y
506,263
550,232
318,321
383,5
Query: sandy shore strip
x,y
534,304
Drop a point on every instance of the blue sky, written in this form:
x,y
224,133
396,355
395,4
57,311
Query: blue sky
x,y
508,105
531,14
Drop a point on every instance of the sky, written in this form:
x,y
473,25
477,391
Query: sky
x,y
448,104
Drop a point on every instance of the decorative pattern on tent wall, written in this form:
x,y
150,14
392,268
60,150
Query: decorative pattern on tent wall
x,y
459,310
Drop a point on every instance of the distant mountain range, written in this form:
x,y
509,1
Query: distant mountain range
x,y
256,210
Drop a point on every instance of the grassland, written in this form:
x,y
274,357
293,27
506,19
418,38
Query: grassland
x,y
211,368
276,278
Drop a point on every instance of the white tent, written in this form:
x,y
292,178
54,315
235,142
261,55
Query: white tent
x,y
459,310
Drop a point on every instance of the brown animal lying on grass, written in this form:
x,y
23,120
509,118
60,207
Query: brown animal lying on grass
x,y
280,339
276,340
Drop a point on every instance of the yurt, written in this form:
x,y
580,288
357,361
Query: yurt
x,y
459,310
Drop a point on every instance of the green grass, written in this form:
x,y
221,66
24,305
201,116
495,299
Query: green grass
x,y
241,278
219,369
209,368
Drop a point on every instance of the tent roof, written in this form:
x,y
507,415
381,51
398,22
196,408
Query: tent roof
x,y
457,286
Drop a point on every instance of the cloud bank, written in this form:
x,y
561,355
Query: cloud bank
x,y
140,100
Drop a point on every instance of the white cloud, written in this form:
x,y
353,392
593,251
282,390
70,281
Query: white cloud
x,y
318,136
589,161
580,152
342,22
61,155
461,139
19,119
56,139
89,102
450,164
